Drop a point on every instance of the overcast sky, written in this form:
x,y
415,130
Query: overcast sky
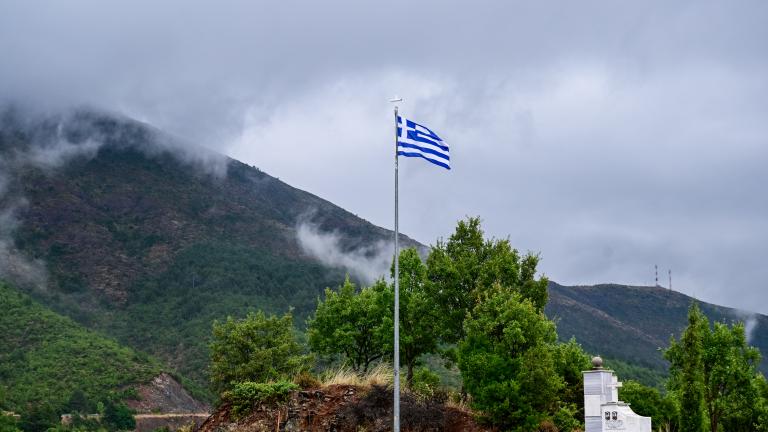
x,y
608,136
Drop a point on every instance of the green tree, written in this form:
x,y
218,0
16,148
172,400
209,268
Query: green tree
x,y
257,348
649,402
461,269
714,369
8,424
38,416
79,403
420,324
355,324
730,397
686,370
570,361
117,416
507,361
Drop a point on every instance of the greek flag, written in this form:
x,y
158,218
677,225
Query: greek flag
x,y
415,140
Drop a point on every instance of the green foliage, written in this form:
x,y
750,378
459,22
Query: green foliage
x,y
570,360
47,360
629,371
460,270
507,363
117,416
420,320
649,402
427,384
568,417
171,313
355,324
687,371
243,396
79,403
713,372
257,348
8,424
359,325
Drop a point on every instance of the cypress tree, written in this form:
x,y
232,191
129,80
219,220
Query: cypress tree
x,y
686,358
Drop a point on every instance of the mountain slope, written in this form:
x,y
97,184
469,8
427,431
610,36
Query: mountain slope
x,y
150,241
631,323
47,357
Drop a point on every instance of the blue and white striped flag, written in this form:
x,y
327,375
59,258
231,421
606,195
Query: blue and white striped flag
x,y
415,140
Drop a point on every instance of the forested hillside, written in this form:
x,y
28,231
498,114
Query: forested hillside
x,y
47,357
150,245
631,323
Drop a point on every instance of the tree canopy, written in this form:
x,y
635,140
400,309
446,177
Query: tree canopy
x,y
256,348
713,372
467,265
355,324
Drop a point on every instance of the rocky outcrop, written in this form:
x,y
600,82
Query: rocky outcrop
x,y
166,395
343,408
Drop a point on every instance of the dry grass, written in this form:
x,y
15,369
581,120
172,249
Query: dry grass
x,y
379,375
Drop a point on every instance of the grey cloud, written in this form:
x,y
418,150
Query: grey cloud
x,y
368,264
608,136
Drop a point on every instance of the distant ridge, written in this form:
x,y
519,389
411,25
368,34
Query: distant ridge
x,y
631,323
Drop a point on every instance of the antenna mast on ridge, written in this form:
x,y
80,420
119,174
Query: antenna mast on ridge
x,y
656,269
670,279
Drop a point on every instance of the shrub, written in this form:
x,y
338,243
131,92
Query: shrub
x,y
258,348
306,380
247,394
565,418
427,384
117,416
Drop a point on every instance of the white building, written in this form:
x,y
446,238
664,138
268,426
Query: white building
x,y
603,411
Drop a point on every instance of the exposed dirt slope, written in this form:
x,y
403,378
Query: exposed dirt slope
x,y
165,395
342,408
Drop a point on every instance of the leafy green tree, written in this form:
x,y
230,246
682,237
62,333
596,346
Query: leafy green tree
x,y
507,361
79,403
730,397
715,369
649,402
118,417
257,348
461,269
359,325
8,424
355,324
570,360
38,417
761,387
420,322
687,370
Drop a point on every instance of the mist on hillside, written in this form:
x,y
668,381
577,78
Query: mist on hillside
x,y
367,264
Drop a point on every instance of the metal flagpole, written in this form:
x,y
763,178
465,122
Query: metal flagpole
x,y
396,407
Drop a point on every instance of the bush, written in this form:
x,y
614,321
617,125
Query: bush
x,y
565,418
117,416
306,380
258,348
8,423
246,394
427,384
